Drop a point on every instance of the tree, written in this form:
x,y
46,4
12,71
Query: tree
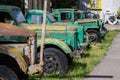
x,y
63,3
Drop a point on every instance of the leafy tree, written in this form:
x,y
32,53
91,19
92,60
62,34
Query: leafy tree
x,y
18,3
63,3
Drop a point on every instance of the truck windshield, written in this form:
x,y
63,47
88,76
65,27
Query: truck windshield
x,y
36,19
66,15
18,15
76,15
50,17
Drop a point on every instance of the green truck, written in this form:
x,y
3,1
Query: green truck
x,y
61,43
36,17
94,27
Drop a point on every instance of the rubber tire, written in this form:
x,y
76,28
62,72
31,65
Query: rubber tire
x,y
97,34
7,74
114,20
61,59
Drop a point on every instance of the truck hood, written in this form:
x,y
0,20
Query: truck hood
x,y
10,30
50,27
60,23
86,21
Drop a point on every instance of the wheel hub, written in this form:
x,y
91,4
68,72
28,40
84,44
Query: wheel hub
x,y
93,36
50,65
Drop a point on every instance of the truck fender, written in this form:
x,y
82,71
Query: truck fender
x,y
12,52
62,45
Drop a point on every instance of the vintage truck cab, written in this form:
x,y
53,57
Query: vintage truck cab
x,y
94,27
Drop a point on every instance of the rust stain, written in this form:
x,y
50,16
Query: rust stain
x,y
21,61
86,21
10,30
56,41
31,43
48,27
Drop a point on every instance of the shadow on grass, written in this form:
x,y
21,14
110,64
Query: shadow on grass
x,y
67,77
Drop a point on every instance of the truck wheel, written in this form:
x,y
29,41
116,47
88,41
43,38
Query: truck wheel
x,y
112,20
94,36
7,74
55,61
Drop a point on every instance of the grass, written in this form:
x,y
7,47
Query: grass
x,y
84,65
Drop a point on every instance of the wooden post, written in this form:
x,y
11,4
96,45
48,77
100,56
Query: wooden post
x,y
43,39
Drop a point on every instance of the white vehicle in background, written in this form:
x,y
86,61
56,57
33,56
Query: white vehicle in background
x,y
111,18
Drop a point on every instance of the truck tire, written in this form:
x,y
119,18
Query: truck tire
x,y
112,20
7,74
94,35
55,61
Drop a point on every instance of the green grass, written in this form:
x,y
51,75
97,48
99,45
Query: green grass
x,y
84,65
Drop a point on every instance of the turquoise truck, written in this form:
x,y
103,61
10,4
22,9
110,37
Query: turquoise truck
x,y
61,44
36,16
81,41
94,27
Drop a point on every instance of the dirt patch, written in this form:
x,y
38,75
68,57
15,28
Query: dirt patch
x,y
112,27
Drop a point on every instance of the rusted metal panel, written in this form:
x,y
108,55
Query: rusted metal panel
x,y
10,51
10,30
48,27
32,50
20,60
87,21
